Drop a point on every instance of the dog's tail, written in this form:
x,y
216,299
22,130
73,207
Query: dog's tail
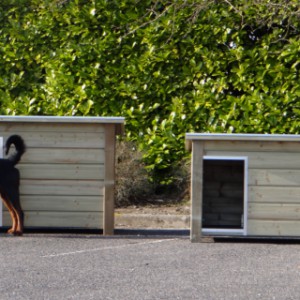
x,y
19,145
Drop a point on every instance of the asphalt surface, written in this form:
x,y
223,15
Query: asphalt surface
x,y
90,266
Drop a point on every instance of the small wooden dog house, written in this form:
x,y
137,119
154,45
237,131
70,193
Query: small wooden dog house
x,y
245,184
67,172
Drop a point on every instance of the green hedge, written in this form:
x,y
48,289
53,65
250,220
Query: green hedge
x,y
169,67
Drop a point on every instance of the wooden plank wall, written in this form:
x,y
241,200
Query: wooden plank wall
x,y
62,174
274,184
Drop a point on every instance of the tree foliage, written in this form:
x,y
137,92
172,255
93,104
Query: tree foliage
x,y
169,67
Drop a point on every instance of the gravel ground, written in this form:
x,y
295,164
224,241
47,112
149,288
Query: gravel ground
x,y
153,216
81,266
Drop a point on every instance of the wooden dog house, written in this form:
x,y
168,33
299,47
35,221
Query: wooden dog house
x,y
245,184
67,173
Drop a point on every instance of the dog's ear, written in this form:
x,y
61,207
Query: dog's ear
x,y
6,148
7,145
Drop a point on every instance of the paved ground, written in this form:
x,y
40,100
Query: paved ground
x,y
81,266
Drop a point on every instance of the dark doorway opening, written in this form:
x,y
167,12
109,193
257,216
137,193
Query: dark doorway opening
x,y
223,193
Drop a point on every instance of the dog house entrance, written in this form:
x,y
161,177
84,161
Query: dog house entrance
x,y
1,207
224,207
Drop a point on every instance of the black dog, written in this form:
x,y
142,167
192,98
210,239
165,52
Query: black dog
x,y
9,183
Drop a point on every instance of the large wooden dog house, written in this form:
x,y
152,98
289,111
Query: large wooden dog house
x,y
245,184
67,173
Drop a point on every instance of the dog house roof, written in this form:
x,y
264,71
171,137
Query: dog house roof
x,y
62,119
240,137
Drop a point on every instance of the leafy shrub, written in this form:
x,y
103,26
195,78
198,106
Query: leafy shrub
x,y
169,67
132,181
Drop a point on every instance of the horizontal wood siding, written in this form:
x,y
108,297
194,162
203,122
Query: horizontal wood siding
x,y
54,219
266,160
274,194
273,184
64,155
62,173
61,187
62,203
273,227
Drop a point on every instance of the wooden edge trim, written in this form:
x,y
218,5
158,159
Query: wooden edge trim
x,y
120,129
196,191
188,145
109,177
